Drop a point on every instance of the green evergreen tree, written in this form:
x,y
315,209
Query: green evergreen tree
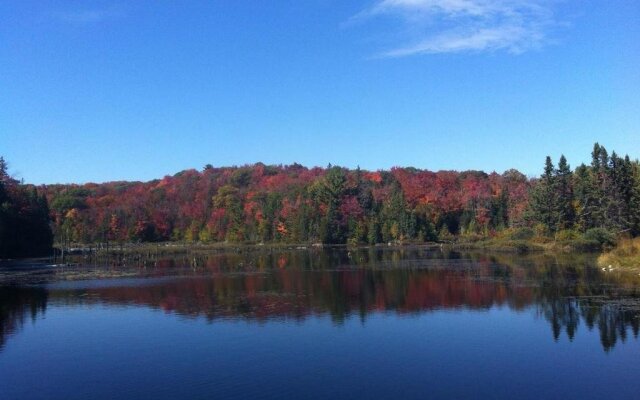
x,y
399,223
614,211
599,167
328,192
634,203
585,197
373,231
543,204
24,218
564,195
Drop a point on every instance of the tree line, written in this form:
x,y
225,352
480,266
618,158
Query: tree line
x,y
604,195
335,205
262,203
274,203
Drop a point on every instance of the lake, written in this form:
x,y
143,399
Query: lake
x,y
320,323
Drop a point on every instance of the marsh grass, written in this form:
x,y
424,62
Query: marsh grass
x,y
625,255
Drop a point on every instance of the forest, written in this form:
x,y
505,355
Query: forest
x,y
24,218
262,203
294,204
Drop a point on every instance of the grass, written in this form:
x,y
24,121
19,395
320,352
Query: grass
x,y
500,245
625,255
524,240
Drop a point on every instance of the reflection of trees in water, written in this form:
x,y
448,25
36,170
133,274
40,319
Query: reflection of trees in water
x,y
613,318
613,321
570,290
562,313
17,304
566,291
298,293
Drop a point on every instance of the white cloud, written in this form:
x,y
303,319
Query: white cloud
x,y
471,7
448,26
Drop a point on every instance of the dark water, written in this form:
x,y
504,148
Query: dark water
x,y
321,324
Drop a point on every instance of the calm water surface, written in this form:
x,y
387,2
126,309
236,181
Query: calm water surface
x,y
412,323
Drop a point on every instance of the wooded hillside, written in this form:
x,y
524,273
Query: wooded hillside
x,y
266,203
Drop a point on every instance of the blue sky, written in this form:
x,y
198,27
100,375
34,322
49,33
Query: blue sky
x,y
94,91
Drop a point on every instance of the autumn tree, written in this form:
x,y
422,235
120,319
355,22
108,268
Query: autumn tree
x,y
228,204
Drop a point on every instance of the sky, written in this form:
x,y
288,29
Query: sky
x,y
95,91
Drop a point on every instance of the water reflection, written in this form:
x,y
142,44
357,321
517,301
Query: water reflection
x,y
566,291
17,305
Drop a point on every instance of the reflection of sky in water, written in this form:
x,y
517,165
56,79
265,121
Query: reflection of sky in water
x,y
105,351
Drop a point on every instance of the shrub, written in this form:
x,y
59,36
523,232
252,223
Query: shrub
x,y
472,237
566,235
444,235
521,246
583,244
522,234
600,235
540,230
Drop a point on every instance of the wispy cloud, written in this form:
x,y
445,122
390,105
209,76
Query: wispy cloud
x,y
86,16
448,26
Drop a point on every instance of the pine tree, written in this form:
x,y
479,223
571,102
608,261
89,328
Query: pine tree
x,y
634,201
544,208
564,195
614,211
625,188
328,193
600,184
24,218
4,168
373,231
584,193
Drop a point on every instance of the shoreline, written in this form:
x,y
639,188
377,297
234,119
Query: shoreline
x,y
507,246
